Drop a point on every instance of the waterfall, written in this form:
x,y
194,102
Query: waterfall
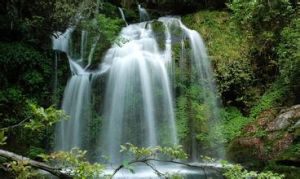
x,y
76,105
76,100
203,67
144,16
122,15
138,69
138,104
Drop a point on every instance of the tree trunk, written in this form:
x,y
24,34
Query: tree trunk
x,y
39,165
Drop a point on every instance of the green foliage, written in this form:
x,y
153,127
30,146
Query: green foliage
x,y
102,33
261,15
2,138
44,118
182,118
64,11
34,152
22,170
233,123
75,159
159,31
291,153
139,153
108,28
228,48
31,130
34,21
23,66
238,172
288,171
264,20
25,80
288,52
272,98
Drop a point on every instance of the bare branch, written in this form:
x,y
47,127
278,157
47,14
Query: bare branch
x,y
147,160
39,165
154,169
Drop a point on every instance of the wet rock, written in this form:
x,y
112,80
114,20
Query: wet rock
x,y
265,117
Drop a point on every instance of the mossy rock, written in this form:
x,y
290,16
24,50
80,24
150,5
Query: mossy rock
x,y
159,33
245,155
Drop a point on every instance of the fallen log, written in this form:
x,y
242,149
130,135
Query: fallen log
x,y
35,164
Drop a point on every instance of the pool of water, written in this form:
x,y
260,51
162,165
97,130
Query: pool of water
x,y
202,171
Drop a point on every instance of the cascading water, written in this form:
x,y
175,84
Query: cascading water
x,y
139,84
144,16
123,15
76,100
76,104
138,96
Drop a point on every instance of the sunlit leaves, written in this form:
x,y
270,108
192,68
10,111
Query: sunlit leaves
x,y
2,138
22,170
127,166
44,118
175,152
76,161
238,172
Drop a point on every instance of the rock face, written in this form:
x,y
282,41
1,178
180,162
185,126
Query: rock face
x,y
273,136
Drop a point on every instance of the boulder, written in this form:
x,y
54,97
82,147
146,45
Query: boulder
x,y
271,136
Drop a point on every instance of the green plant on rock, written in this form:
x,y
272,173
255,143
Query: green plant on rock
x,y
76,161
102,32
